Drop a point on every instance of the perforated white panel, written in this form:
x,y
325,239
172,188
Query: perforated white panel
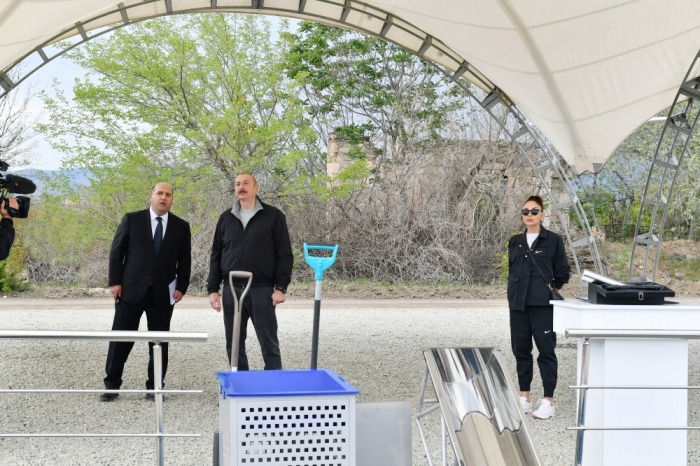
x,y
224,433
291,431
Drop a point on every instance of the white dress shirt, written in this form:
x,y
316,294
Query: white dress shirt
x,y
154,222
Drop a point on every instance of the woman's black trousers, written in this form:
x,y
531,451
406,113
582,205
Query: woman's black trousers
x,y
535,322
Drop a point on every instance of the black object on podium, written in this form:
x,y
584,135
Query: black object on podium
x,y
629,294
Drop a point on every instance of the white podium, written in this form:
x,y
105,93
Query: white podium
x,y
633,361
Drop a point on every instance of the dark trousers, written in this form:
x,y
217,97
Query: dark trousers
x,y
127,317
257,307
535,322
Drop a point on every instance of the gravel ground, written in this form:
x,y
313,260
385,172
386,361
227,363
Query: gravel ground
x,y
375,346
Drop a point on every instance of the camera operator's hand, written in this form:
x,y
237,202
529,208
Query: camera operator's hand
x,y
3,209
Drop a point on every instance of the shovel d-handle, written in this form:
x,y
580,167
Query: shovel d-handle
x,y
319,264
237,314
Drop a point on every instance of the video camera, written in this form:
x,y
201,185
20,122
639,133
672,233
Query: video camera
x,y
17,185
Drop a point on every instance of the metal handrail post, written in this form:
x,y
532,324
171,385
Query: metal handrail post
x,y
581,408
158,379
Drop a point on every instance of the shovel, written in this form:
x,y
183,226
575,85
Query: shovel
x,y
319,264
237,314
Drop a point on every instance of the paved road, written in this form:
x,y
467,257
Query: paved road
x,y
376,345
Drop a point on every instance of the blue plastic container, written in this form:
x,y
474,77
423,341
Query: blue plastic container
x,y
282,418
284,383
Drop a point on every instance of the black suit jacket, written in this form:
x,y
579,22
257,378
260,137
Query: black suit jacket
x,y
133,262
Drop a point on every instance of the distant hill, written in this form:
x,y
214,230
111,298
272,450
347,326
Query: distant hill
x,y
79,176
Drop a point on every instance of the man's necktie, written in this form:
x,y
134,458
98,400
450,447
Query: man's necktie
x,y
158,237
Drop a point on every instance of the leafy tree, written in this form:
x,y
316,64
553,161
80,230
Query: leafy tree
x,y
194,100
362,85
614,194
16,145
189,100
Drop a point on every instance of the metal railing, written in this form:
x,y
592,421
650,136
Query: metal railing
x,y
114,336
583,386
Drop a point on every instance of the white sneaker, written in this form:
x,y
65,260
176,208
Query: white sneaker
x,y
526,405
545,411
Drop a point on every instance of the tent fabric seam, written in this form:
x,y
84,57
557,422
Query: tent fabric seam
x,y
7,12
573,18
630,103
532,112
448,20
627,52
551,85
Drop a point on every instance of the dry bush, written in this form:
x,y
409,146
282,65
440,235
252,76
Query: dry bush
x,y
440,216
43,267
94,268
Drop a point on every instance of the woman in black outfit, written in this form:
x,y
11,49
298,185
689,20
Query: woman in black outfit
x,y
531,315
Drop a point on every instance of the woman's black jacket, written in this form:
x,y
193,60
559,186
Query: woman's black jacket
x,y
525,285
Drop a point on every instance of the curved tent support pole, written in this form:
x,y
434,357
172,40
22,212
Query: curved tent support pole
x,y
551,175
562,197
103,23
679,129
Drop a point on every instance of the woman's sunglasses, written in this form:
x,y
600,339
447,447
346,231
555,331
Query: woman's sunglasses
x,y
526,212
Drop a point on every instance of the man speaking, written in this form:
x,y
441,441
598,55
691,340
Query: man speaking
x,y
150,253
251,237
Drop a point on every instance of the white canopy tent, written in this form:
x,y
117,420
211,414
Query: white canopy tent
x,y
585,73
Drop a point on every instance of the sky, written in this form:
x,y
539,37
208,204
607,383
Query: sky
x,y
65,72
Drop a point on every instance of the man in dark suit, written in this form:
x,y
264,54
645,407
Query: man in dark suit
x,y
151,250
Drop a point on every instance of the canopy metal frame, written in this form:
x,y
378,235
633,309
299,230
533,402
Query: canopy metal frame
x,y
552,177
679,128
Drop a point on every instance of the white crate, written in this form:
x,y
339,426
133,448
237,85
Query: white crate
x,y
287,430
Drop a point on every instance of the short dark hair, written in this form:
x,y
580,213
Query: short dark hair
x,y
536,199
247,173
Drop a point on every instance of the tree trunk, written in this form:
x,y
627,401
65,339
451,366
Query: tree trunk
x,y
692,235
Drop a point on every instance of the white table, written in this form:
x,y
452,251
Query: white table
x,y
633,361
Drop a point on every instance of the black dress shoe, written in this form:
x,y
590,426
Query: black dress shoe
x,y
150,396
108,396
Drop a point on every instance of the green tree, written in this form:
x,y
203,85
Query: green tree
x,y
189,100
354,82
193,92
613,195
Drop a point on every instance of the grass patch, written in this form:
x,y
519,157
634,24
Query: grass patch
x,y
680,266
618,259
